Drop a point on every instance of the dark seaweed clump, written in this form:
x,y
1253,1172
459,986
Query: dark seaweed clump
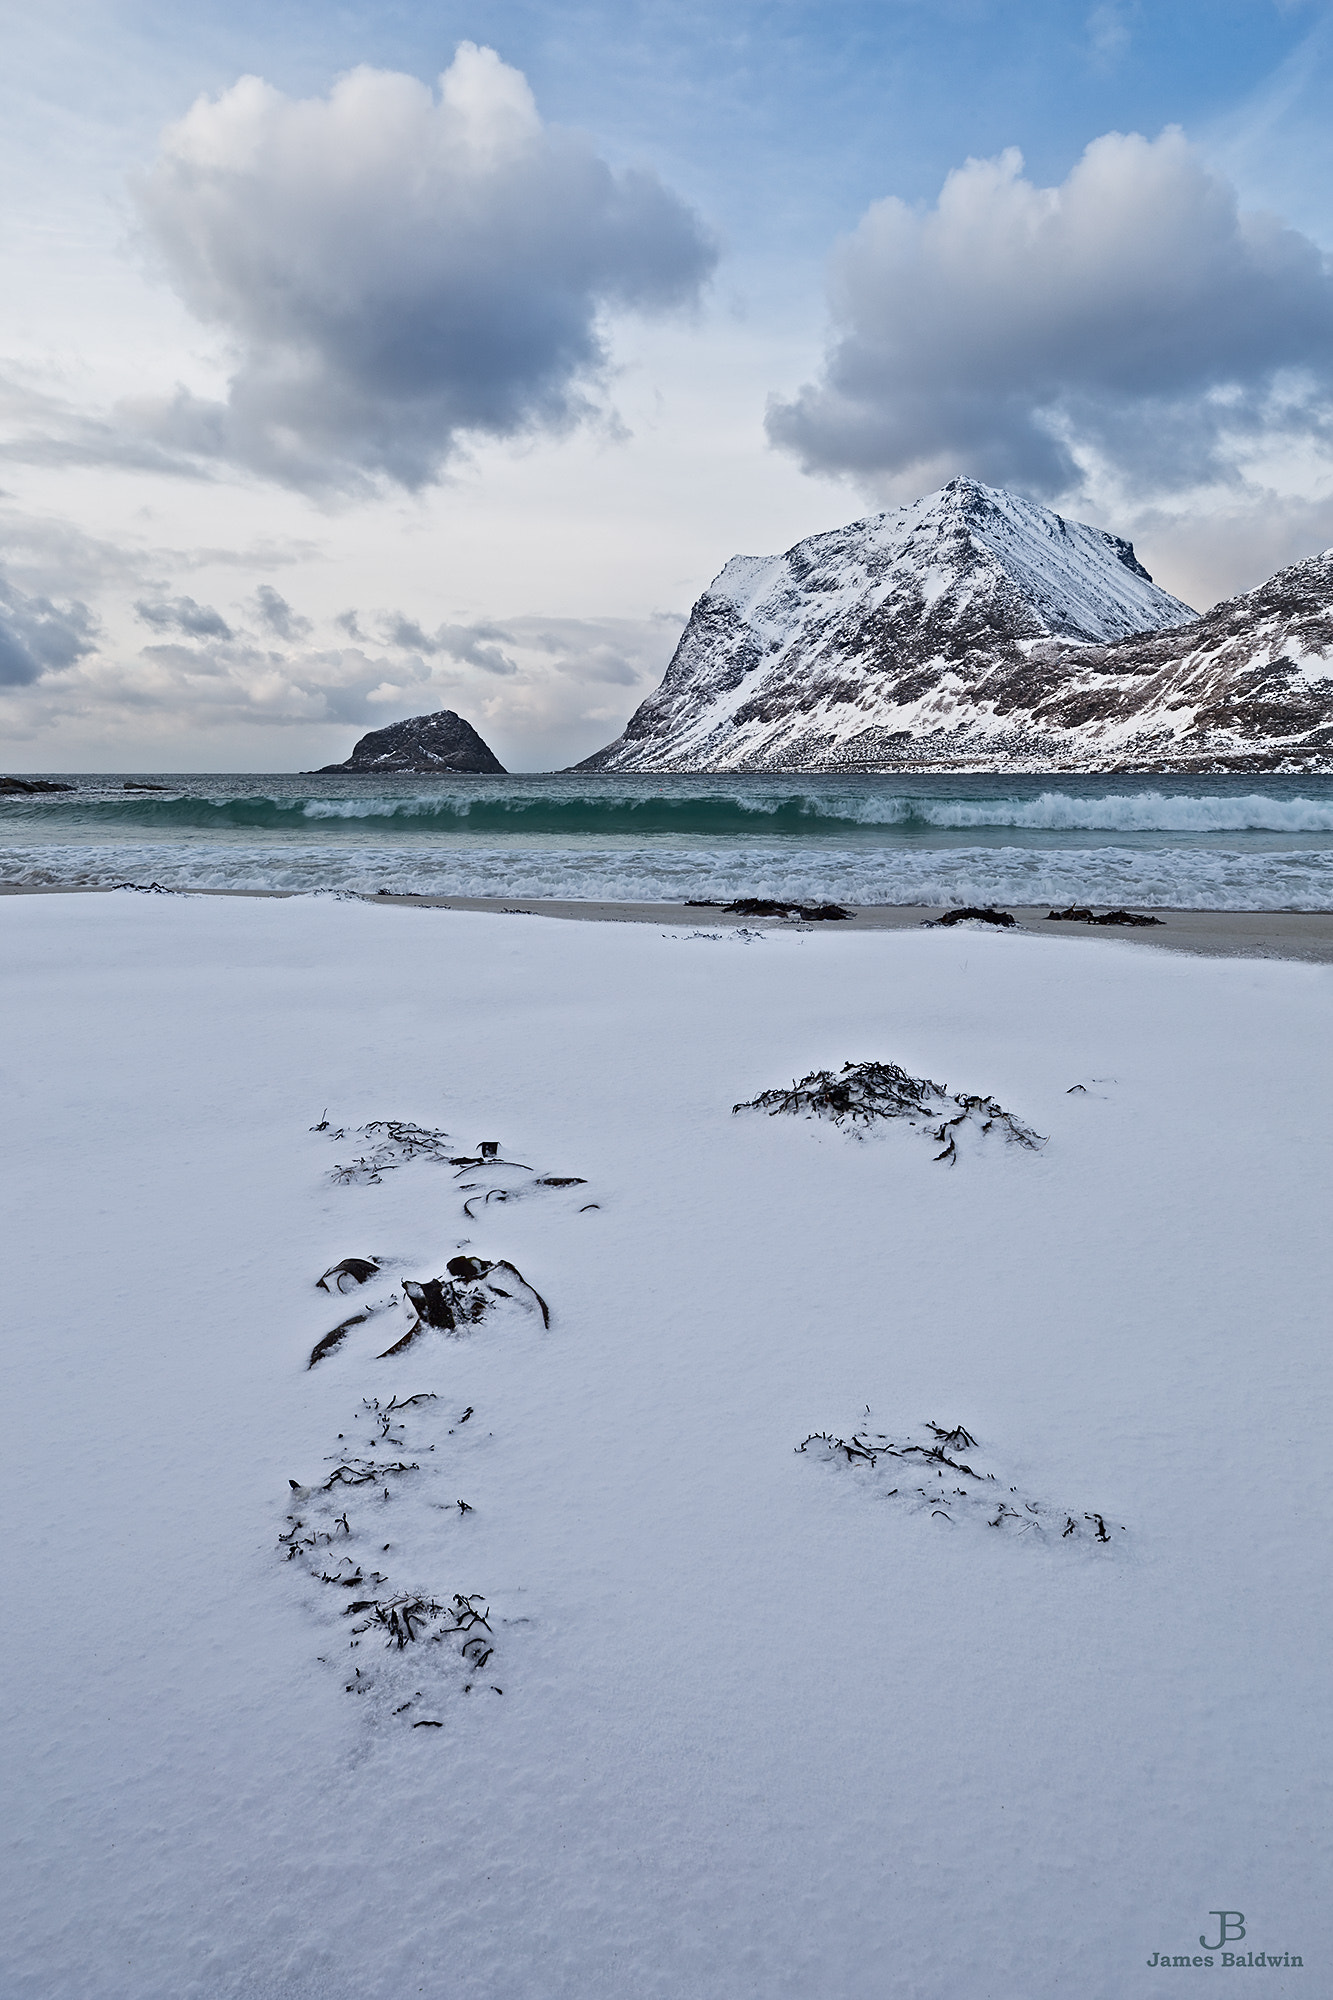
x,y
861,1093
766,906
970,916
1076,914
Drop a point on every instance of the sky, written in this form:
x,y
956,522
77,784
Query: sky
x,y
362,360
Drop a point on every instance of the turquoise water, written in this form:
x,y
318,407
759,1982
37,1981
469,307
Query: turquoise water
x,y
1243,842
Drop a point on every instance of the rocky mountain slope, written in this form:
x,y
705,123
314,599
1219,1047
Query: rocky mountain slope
x,y
422,745
1246,687
975,630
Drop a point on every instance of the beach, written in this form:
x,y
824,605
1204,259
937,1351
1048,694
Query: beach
x,y
750,1719
1301,934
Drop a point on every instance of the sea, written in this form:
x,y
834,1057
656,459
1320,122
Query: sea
x,y
1186,842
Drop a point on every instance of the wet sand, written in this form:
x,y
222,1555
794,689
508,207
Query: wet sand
x,y
1300,934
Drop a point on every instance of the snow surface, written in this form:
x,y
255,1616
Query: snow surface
x,y
763,1731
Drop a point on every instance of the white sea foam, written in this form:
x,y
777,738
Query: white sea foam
x,y
1141,812
1168,877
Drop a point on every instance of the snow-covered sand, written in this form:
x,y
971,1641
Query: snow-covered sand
x,y
764,1729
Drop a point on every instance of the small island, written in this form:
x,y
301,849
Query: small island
x,y
422,746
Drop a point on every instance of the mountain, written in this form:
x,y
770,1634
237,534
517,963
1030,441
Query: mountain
x,y
974,630
1246,687
422,745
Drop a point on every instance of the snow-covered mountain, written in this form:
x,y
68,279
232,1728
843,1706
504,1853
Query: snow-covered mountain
x,y
1246,687
972,629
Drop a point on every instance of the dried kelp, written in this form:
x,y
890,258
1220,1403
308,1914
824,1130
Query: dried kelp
x,y
1076,914
862,1093
393,1142
859,1092
970,916
469,1292
482,1196
365,1472
988,1116
348,1273
335,1338
805,913
337,1538
409,1618
513,1284
926,1473
389,1416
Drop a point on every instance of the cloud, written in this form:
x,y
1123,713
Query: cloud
x,y
1132,324
1229,549
277,614
86,690
182,614
37,635
39,428
472,645
1108,30
396,269
592,652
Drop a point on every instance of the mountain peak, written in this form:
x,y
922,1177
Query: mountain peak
x,y
880,630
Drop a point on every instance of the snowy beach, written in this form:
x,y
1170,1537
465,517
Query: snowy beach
x,y
1300,934
722,1716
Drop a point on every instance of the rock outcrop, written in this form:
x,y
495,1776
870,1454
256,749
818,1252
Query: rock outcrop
x,y
422,746
976,630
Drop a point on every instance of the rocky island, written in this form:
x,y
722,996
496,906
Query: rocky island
x,y
421,746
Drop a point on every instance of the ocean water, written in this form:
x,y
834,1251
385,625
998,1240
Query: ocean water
x,y
1244,842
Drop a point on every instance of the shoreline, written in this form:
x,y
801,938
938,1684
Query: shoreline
x,y
1294,934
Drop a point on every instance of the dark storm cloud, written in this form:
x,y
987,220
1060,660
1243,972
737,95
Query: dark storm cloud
x,y
1132,319
397,268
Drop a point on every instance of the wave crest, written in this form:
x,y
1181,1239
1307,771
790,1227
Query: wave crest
x,y
804,813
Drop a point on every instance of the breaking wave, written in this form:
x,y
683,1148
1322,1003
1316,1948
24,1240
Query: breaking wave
x,y
646,808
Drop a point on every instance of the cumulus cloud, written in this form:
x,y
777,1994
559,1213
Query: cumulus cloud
x,y
182,614
1133,323
36,635
398,267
